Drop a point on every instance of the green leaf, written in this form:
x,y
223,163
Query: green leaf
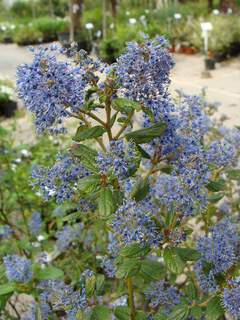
x,y
122,313
216,186
173,261
196,312
89,184
140,189
128,268
143,153
49,273
214,309
188,254
84,133
140,315
87,156
113,119
125,105
106,202
100,281
191,291
90,285
234,174
101,313
147,134
6,288
151,270
134,250
214,198
180,312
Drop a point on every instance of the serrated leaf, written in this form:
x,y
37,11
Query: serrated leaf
x,y
113,119
214,309
101,313
180,312
196,312
134,250
140,189
89,184
125,105
100,281
84,133
216,186
147,134
234,174
49,273
191,291
6,288
140,315
122,313
151,270
128,268
87,157
143,153
106,202
214,198
188,254
173,262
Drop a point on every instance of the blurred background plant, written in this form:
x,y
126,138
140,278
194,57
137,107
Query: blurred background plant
x,y
113,23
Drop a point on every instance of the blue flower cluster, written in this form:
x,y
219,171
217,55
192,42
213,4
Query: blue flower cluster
x,y
144,69
59,180
231,298
218,254
134,225
57,296
120,160
5,232
49,87
67,235
161,294
17,268
35,223
221,153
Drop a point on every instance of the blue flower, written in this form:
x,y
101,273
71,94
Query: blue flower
x,y
49,87
18,268
231,301
35,223
67,235
60,180
161,294
5,231
219,253
57,295
134,225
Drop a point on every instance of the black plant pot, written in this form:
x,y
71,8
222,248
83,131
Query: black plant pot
x,y
7,109
209,64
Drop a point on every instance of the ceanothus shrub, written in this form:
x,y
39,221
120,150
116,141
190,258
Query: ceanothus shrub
x,y
147,220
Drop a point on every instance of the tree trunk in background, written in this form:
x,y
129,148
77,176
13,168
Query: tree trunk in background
x,y
210,5
104,18
51,9
114,4
75,12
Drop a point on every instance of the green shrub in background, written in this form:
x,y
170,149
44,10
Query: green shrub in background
x,y
27,36
50,27
225,33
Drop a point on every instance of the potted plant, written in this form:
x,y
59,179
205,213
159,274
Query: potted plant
x,y
7,105
210,61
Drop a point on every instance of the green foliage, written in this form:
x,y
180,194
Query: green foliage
x,y
26,36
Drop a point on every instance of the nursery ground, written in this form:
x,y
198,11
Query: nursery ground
x,y
223,86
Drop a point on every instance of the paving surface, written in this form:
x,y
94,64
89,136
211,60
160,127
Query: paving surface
x,y
223,86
